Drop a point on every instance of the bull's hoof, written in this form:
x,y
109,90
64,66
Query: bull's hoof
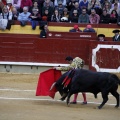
x,y
116,106
68,104
99,107
62,99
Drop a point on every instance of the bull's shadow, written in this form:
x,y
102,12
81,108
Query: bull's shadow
x,y
88,81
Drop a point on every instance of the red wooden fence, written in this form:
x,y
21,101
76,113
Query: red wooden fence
x,y
55,50
42,50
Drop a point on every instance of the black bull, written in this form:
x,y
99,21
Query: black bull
x,y
93,82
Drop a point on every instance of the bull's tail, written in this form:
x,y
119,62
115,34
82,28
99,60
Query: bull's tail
x,y
119,82
112,81
116,78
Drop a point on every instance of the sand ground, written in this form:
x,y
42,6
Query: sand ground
x,y
18,102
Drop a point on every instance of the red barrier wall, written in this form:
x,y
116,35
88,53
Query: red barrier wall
x,y
42,50
55,50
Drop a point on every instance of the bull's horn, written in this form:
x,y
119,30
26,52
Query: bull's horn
x,y
52,86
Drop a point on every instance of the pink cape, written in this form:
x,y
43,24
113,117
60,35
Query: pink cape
x,y
46,79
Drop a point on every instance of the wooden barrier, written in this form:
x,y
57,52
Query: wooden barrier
x,y
54,35
42,50
18,35
72,35
49,50
30,48
108,39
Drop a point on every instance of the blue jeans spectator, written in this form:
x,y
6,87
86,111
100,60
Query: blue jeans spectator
x,y
34,23
23,23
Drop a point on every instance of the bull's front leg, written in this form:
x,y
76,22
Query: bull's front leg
x,y
105,99
68,98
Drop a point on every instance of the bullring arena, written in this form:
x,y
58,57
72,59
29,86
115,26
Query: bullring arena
x,y
21,62
18,101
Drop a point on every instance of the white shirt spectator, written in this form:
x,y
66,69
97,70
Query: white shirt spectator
x,y
3,24
6,14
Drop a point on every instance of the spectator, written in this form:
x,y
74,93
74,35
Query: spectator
x,y
107,7
76,7
116,2
35,18
116,37
105,17
84,17
9,5
70,4
6,14
75,29
24,16
46,16
83,4
74,17
4,2
98,8
113,16
92,4
116,9
60,7
94,18
5,19
15,13
49,8
16,4
35,6
56,16
89,29
57,1
40,3
25,3
48,2
1,5
43,33
65,16
106,3
101,37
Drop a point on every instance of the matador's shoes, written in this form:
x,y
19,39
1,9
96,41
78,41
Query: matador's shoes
x,y
84,103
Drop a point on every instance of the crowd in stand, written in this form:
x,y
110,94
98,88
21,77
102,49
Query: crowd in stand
x,y
73,11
